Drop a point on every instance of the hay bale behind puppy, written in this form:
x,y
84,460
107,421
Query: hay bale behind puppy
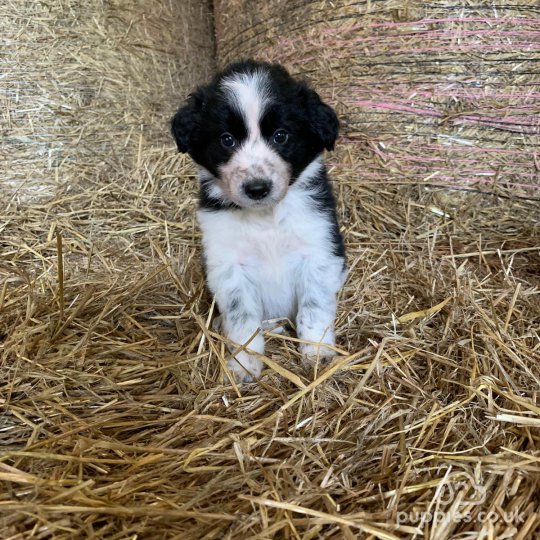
x,y
86,86
429,94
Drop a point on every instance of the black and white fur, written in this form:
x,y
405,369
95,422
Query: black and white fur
x,y
271,241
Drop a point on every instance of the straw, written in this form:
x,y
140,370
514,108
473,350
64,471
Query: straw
x,y
117,423
86,86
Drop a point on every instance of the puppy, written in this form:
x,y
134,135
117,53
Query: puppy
x,y
271,241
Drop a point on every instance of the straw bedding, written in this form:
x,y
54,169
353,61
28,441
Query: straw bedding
x,y
115,423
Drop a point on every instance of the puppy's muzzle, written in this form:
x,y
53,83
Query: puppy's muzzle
x,y
258,189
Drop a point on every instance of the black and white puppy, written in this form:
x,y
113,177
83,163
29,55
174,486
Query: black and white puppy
x,y
271,241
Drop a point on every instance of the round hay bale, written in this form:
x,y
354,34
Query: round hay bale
x,y
86,86
442,94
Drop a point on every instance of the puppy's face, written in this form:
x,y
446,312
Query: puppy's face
x,y
253,130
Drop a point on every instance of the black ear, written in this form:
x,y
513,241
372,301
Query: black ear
x,y
324,121
186,122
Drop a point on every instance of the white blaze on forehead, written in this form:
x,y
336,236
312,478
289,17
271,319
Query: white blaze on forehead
x,y
248,93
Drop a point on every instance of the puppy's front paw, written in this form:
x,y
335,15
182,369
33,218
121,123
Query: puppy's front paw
x,y
245,367
313,352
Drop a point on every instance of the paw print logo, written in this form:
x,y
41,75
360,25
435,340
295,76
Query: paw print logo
x,y
462,482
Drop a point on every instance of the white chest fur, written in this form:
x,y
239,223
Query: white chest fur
x,y
276,252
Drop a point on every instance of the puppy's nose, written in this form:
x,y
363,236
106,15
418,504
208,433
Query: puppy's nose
x,y
257,189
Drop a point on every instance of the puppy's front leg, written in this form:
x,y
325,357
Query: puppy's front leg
x,y
316,315
241,318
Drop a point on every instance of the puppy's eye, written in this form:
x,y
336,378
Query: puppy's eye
x,y
280,136
227,140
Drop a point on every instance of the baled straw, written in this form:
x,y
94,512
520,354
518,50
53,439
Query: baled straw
x,y
86,86
440,94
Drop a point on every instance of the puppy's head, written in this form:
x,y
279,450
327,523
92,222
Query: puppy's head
x,y
253,130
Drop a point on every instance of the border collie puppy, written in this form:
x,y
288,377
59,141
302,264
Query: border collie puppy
x,y
271,241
